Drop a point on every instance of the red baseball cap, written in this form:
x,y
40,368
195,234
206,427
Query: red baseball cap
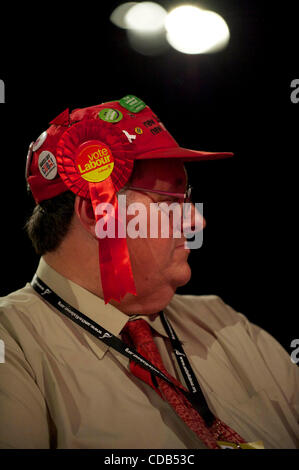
x,y
128,127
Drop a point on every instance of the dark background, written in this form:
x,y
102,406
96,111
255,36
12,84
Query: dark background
x,y
235,100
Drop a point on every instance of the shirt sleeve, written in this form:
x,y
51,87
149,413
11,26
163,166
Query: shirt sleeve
x,y
278,362
23,411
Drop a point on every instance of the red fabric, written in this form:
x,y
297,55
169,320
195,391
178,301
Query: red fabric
x,y
150,140
63,119
115,266
140,333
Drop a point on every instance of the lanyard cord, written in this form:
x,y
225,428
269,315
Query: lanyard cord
x,y
195,395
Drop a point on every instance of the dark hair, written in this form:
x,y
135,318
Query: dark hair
x,y
50,222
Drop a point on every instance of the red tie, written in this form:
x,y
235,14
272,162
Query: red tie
x,y
139,332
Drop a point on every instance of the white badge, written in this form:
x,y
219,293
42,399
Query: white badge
x,y
130,137
47,165
39,141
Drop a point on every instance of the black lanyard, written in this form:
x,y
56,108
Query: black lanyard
x,y
195,395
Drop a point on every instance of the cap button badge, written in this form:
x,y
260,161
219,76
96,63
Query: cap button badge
x,y
39,141
110,115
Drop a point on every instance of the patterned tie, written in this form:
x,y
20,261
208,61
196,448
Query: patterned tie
x,y
139,333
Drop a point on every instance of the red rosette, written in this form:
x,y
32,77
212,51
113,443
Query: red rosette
x,y
74,150
84,131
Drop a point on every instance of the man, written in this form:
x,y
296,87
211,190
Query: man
x,y
99,350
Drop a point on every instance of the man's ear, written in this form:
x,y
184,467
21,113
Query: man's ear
x,y
84,212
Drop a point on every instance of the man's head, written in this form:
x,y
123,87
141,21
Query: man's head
x,y
159,264
91,153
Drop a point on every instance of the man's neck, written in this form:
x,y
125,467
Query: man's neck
x,y
86,273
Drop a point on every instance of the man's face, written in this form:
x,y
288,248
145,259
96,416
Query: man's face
x,y
159,264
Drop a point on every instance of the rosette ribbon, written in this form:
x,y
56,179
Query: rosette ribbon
x,y
114,260
115,266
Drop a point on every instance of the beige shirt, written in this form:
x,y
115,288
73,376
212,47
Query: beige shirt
x,y
60,387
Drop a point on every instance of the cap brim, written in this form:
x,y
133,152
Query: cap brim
x,y
184,154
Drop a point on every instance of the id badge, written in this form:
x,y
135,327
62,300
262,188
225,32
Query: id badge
x,y
243,445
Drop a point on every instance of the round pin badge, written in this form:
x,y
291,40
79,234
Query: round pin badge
x,y
39,141
47,165
94,161
110,115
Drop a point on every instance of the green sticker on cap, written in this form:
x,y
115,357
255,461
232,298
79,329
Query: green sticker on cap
x,y
132,103
110,115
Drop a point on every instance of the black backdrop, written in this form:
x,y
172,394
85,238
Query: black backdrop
x,y
235,100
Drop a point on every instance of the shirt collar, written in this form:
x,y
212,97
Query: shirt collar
x,y
94,307
154,321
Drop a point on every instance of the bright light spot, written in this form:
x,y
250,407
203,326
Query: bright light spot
x,y
118,15
146,17
195,31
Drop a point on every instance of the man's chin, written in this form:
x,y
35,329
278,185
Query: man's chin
x,y
183,276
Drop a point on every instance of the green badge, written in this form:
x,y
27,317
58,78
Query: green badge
x,y
110,115
132,103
